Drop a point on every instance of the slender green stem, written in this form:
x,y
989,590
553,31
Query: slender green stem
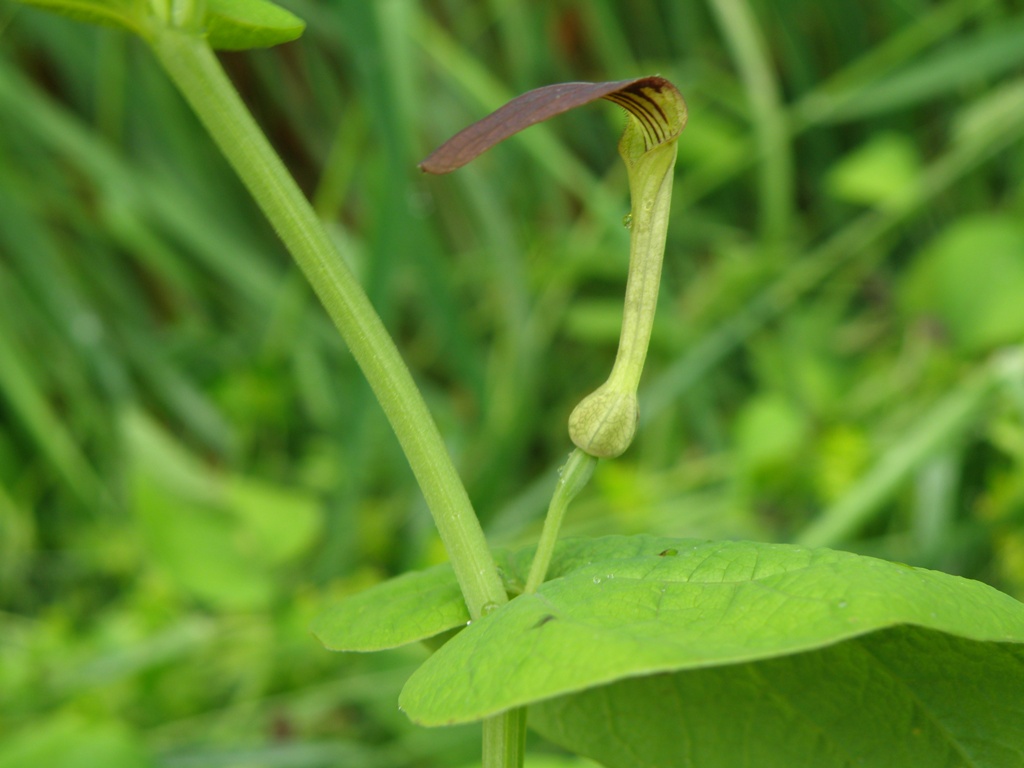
x,y
195,70
572,478
744,38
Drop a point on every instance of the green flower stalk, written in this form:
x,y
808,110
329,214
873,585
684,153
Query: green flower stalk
x,y
604,423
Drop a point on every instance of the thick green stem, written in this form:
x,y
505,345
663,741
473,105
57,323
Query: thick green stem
x,y
195,70
505,739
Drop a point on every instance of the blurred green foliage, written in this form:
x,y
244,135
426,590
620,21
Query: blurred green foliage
x,y
190,465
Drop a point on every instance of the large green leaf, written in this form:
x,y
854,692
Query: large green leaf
x,y
901,697
624,607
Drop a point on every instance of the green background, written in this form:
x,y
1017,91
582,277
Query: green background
x,y
191,467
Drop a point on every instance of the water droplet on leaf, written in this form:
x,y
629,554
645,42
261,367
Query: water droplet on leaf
x,y
627,221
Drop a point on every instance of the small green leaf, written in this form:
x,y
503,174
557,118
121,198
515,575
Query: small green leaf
x,y
124,14
195,545
904,696
236,25
231,25
617,608
883,173
277,523
769,432
408,608
971,278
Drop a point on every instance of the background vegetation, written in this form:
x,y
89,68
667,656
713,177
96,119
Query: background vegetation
x,y
190,465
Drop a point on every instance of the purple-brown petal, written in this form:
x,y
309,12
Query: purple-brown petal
x,y
540,104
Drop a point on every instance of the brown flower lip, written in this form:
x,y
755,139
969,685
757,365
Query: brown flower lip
x,y
542,103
